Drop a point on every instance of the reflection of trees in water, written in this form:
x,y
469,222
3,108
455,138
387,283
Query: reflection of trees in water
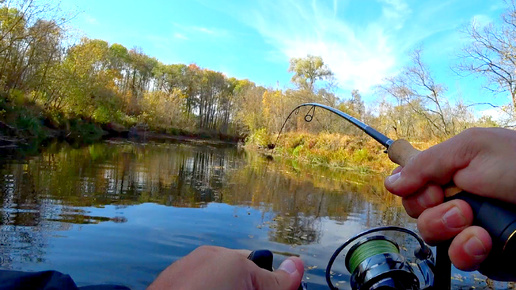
x,y
24,229
39,195
200,175
124,174
301,196
295,230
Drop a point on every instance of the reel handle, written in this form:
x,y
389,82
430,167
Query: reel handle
x,y
264,259
499,219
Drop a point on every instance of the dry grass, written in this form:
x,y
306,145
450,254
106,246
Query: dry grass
x,y
336,151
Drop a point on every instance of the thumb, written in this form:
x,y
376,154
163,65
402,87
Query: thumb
x,y
287,277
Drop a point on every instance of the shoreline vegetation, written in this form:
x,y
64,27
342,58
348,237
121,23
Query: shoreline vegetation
x,y
332,150
56,86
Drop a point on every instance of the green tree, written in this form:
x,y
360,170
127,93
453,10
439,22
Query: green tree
x,y
308,70
89,83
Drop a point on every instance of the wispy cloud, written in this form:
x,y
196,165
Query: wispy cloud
x,y
360,57
180,36
361,47
90,19
192,31
481,20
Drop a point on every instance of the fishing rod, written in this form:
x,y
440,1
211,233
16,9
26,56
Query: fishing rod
x,y
497,218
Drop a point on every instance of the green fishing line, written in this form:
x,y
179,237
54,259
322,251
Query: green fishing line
x,y
369,249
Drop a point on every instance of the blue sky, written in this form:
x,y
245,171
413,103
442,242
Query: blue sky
x,y
362,41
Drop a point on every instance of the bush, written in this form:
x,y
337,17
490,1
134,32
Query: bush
x,y
29,125
259,138
84,131
360,156
102,115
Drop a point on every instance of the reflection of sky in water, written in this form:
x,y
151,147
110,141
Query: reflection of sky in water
x,y
134,252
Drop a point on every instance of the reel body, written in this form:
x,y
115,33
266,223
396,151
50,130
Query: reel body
x,y
375,262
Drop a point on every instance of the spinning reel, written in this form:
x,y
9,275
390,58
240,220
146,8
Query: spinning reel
x,y
375,262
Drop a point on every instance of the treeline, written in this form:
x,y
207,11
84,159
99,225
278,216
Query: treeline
x,y
46,81
102,82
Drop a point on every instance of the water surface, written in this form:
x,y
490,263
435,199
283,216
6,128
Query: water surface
x,y
120,212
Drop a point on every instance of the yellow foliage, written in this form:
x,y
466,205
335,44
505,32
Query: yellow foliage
x,y
163,110
334,150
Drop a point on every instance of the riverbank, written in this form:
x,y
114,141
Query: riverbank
x,y
346,152
88,133
24,123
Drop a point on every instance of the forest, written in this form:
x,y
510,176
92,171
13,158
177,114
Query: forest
x,y
52,82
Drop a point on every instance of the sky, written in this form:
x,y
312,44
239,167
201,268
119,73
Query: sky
x,y
362,42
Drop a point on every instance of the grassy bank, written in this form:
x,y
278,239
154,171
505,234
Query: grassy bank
x,y
357,153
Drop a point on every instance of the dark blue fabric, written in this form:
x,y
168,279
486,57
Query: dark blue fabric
x,y
46,280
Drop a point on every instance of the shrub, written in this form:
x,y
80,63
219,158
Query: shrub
x,y
259,138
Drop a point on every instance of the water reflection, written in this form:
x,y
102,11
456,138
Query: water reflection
x,y
88,211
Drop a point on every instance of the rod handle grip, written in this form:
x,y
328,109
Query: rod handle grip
x,y
401,151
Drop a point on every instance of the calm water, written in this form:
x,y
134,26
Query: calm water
x,y
120,212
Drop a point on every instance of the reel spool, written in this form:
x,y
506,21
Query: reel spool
x,y
375,262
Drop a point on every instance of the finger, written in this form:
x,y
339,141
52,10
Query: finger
x,y
396,170
443,222
243,252
395,175
491,174
436,164
470,248
288,276
430,196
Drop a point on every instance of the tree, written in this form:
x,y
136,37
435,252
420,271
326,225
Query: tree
x,y
88,83
356,104
249,107
45,53
416,89
308,70
492,53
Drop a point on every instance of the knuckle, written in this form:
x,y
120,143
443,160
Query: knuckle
x,y
207,249
411,208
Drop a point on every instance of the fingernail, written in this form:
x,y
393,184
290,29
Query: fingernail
x,y
454,219
391,179
475,248
288,266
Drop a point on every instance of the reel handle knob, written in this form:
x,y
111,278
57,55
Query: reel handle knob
x,y
264,259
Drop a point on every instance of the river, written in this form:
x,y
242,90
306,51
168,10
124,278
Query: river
x,y
120,212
